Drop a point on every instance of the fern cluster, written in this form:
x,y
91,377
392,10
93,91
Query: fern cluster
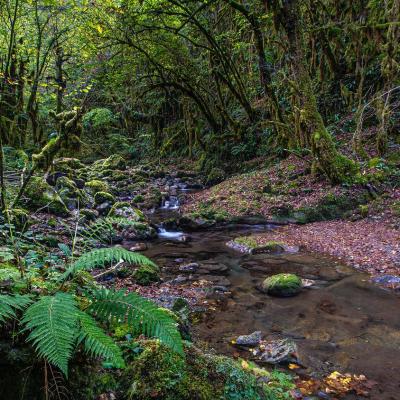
x,y
140,314
100,257
57,326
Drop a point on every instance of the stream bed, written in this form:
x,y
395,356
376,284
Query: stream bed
x,y
343,322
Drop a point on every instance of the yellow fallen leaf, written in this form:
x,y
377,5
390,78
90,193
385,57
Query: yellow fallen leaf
x,y
293,366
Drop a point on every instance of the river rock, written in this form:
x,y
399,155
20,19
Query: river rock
x,y
282,285
191,267
212,268
138,247
216,280
251,340
279,351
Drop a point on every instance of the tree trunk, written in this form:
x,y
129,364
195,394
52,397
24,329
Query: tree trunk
x,y
311,130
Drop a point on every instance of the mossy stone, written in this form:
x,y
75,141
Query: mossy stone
x,y
113,162
95,185
146,275
103,197
282,285
41,195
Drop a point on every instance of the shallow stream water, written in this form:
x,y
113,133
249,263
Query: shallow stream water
x,y
343,322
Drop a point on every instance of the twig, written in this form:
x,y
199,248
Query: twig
x,y
118,264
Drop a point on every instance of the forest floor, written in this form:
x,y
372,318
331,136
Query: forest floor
x,y
359,224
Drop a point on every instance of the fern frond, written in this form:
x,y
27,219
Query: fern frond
x,y
52,321
140,314
100,257
100,230
9,304
97,343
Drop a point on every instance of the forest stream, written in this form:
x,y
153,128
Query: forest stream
x,y
340,322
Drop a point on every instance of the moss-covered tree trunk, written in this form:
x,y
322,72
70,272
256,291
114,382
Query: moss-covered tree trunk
x,y
310,128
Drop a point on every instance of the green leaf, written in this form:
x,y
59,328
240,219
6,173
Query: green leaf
x,y
97,343
139,313
52,322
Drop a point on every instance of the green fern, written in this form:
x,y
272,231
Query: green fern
x,y
97,343
139,313
9,304
99,257
101,230
52,321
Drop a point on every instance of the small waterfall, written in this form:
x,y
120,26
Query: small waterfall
x,y
171,204
163,233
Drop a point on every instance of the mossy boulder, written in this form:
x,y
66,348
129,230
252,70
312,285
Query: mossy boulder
x,y
67,164
40,195
138,199
249,244
71,195
103,197
89,214
146,275
113,162
282,285
124,209
95,185
19,217
118,176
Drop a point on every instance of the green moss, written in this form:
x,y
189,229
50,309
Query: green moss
x,y
283,285
113,162
155,372
94,186
89,214
19,218
364,209
146,275
395,207
138,199
247,241
102,197
124,209
41,195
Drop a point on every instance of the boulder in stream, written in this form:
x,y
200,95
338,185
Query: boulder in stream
x,y
280,351
251,340
282,285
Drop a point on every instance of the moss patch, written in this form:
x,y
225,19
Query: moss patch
x,y
282,285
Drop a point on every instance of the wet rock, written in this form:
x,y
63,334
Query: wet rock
x,y
279,352
222,289
179,280
104,208
180,304
191,267
251,340
323,395
306,283
269,248
216,280
138,247
146,275
193,224
185,239
212,268
282,285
